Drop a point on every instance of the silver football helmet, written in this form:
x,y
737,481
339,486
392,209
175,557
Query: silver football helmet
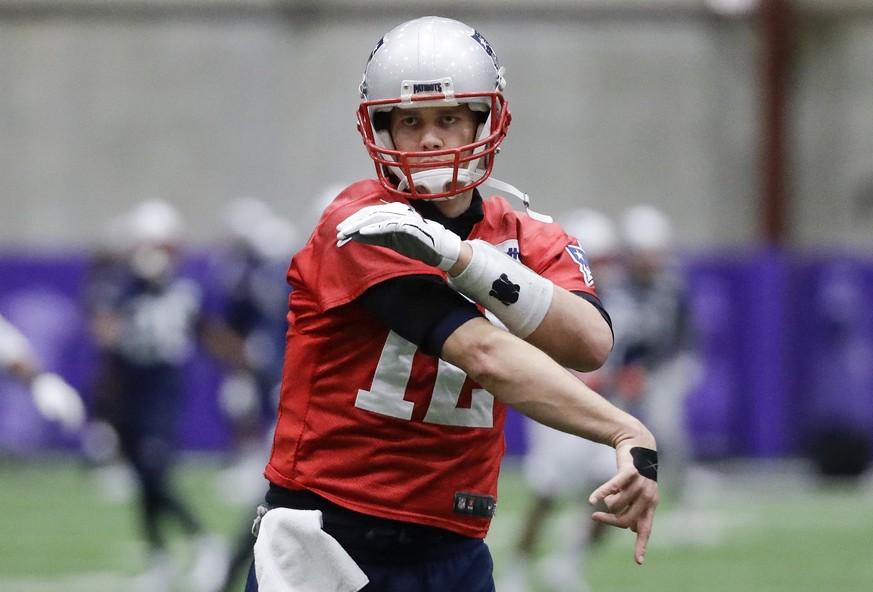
x,y
428,62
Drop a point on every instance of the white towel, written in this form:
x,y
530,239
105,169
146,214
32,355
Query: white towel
x,y
294,554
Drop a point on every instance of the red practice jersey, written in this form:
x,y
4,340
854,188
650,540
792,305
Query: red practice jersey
x,y
365,419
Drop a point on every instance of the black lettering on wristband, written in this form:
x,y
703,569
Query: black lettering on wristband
x,y
646,462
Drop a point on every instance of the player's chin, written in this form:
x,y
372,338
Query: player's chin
x,y
425,164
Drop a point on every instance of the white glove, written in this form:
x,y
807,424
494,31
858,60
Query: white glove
x,y
58,401
399,227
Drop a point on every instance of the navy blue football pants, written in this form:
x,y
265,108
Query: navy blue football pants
x,y
396,556
468,569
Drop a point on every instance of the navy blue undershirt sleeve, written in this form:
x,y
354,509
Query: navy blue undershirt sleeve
x,y
599,306
422,309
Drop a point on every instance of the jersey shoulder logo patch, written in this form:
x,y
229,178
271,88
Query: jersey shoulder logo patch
x,y
579,256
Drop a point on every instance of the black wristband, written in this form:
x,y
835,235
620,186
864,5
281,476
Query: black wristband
x,y
646,462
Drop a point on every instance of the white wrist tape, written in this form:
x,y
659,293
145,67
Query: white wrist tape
x,y
515,294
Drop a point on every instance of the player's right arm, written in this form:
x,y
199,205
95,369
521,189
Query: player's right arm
x,y
525,378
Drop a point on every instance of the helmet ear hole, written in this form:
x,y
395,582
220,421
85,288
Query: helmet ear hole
x,y
381,120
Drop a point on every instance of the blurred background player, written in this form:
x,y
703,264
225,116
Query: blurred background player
x,y
144,320
653,366
558,466
249,335
105,279
251,277
55,399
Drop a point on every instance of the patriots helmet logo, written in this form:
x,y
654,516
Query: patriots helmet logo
x,y
486,46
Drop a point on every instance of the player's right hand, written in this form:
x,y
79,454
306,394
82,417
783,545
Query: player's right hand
x,y
399,227
630,497
58,401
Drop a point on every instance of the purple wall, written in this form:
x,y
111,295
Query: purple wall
x,y
786,342
40,294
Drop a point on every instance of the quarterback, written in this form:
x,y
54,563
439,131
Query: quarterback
x,y
421,310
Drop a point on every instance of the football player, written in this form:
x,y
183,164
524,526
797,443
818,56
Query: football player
x,y
146,324
419,312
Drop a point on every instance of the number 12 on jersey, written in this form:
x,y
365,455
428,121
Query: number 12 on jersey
x,y
386,395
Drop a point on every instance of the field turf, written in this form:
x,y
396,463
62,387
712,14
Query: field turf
x,y
768,527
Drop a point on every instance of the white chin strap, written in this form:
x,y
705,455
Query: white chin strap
x,y
524,197
440,180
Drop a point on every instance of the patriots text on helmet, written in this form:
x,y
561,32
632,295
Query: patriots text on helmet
x,y
427,87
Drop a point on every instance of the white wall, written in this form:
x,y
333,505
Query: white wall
x,y
103,104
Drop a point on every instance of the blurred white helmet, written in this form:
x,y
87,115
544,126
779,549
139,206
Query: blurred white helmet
x,y
155,222
152,232
252,222
596,232
242,215
645,228
276,239
432,62
324,198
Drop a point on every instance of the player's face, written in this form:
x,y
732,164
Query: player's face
x,y
432,128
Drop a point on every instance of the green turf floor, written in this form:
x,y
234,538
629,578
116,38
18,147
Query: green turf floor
x,y
763,528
